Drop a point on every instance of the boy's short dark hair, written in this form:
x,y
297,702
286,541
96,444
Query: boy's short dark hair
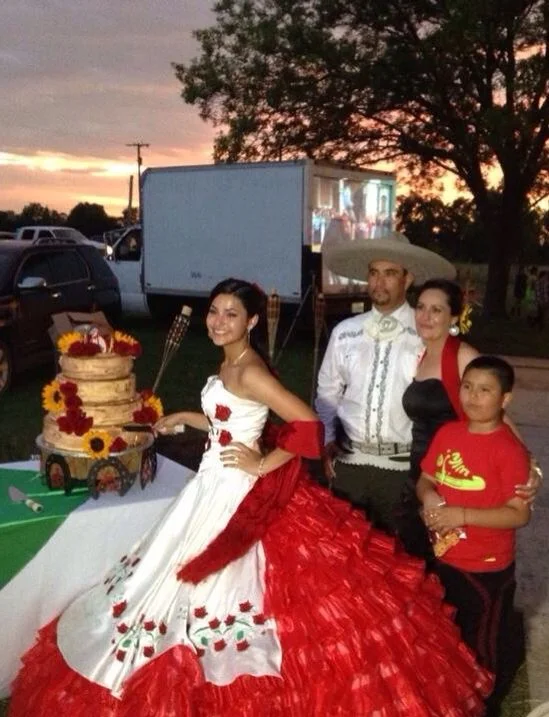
x,y
498,367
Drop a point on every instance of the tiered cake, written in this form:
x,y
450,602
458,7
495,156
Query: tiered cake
x,y
88,404
105,384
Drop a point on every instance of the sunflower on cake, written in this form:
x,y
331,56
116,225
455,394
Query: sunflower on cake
x,y
91,405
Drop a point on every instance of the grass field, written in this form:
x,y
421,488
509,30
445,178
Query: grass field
x,y
21,413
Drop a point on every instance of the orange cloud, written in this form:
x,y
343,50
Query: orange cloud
x,y
61,180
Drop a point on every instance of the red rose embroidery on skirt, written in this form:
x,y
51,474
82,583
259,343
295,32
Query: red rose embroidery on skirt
x,y
224,438
222,413
118,608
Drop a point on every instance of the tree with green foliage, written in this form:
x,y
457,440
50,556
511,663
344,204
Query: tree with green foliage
x,y
90,219
8,220
448,229
435,86
454,230
35,213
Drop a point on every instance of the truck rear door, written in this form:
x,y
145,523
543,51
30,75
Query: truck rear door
x,y
203,224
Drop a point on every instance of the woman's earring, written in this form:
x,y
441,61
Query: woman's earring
x,y
453,330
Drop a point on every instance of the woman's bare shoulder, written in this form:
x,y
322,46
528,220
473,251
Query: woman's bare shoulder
x,y
466,353
259,384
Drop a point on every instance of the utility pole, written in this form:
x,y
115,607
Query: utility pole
x,y
138,146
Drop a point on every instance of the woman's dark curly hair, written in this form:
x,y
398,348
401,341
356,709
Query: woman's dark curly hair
x,y
251,295
452,291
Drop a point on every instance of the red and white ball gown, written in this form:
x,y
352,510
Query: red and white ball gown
x,y
258,599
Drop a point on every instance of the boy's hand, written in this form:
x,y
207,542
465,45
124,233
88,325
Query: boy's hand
x,y
444,519
432,500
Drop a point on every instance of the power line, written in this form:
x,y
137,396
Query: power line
x,y
138,146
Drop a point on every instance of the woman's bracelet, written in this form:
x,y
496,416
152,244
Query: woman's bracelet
x,y
260,467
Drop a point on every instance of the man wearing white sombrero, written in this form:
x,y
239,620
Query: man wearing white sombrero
x,y
370,360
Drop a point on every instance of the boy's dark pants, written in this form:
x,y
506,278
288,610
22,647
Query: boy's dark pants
x,y
489,623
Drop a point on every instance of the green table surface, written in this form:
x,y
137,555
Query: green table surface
x,y
23,532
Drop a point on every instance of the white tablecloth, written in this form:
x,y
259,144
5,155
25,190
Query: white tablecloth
x,y
88,542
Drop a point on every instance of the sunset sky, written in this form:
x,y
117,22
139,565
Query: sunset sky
x,y
80,80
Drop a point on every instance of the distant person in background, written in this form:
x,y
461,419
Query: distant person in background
x,y
530,298
338,230
519,292
542,300
348,209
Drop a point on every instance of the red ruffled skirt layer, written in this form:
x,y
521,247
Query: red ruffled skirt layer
x,y
363,632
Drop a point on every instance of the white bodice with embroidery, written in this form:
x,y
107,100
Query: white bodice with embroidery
x,y
243,421
140,609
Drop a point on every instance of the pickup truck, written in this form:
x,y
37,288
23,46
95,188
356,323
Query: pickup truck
x,y
55,235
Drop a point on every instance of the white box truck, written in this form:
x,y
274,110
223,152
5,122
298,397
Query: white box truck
x,y
265,222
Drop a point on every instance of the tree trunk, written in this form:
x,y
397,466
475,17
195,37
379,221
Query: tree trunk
x,y
504,227
495,297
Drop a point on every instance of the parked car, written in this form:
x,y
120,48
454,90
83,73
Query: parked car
x,y
39,280
65,235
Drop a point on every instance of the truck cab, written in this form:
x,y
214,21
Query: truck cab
x,y
125,261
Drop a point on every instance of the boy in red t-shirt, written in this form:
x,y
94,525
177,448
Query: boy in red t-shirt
x,y
467,488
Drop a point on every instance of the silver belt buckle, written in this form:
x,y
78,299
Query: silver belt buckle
x,y
381,449
371,449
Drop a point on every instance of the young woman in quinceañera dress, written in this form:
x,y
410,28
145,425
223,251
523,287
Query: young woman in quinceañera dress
x,y
258,593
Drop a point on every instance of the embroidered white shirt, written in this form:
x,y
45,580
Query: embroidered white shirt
x,y
369,362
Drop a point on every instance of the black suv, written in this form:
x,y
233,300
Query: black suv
x,y
38,281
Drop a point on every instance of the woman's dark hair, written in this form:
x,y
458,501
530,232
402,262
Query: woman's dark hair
x,y
254,300
500,369
453,293
252,297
